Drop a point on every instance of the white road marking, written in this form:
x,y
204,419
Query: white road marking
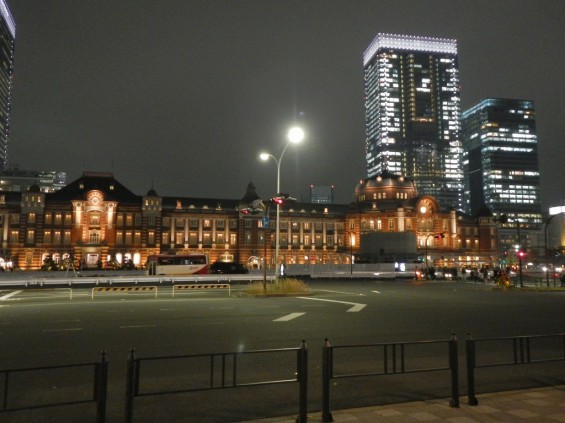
x,y
137,326
11,294
61,330
376,292
288,317
341,292
356,307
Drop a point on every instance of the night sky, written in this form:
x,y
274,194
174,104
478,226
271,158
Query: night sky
x,y
183,95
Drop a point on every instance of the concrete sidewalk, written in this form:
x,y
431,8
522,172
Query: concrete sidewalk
x,y
539,405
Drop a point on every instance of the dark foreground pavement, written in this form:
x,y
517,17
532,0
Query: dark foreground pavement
x,y
539,405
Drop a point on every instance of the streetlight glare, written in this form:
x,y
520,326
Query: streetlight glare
x,y
295,135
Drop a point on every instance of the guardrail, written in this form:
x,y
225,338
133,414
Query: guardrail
x,y
226,370
522,353
228,377
99,391
394,362
117,280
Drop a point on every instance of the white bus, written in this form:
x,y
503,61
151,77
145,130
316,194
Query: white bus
x,y
177,265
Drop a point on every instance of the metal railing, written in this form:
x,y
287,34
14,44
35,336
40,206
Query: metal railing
x,y
228,376
135,280
99,391
393,362
228,370
522,349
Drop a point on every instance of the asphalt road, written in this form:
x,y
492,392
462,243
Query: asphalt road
x,y
47,327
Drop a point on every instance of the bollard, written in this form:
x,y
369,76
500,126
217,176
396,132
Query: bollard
x,y
130,383
326,376
471,362
101,388
303,383
454,367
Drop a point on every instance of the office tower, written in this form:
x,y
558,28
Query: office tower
x,y
501,162
17,180
412,112
321,194
8,35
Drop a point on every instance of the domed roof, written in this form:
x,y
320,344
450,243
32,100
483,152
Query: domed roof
x,y
34,188
386,179
385,186
152,193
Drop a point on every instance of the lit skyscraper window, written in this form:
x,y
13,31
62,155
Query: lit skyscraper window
x,y
412,112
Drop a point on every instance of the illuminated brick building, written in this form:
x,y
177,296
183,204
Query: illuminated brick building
x,y
96,219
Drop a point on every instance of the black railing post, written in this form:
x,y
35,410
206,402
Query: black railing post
x,y
7,379
303,383
326,376
454,368
471,362
101,388
130,384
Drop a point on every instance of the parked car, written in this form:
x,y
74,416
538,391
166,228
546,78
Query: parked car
x,y
112,265
225,267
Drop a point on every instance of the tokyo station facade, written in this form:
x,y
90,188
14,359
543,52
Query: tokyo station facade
x,y
95,219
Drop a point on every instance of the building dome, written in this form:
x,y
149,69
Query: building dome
x,y
385,186
152,193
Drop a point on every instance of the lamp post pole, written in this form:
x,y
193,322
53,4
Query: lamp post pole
x,y
546,249
519,253
426,255
504,219
438,235
351,242
295,135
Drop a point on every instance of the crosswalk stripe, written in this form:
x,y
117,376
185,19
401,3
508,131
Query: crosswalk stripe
x,y
11,294
288,317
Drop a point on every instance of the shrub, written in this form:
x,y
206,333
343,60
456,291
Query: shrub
x,y
281,286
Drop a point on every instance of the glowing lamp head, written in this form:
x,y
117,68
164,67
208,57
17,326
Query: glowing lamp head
x,y
295,135
264,156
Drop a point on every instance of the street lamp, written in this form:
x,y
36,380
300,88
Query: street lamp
x,y
519,252
295,135
351,244
546,251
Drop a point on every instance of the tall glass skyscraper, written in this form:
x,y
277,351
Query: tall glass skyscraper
x,y
501,160
7,39
412,113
